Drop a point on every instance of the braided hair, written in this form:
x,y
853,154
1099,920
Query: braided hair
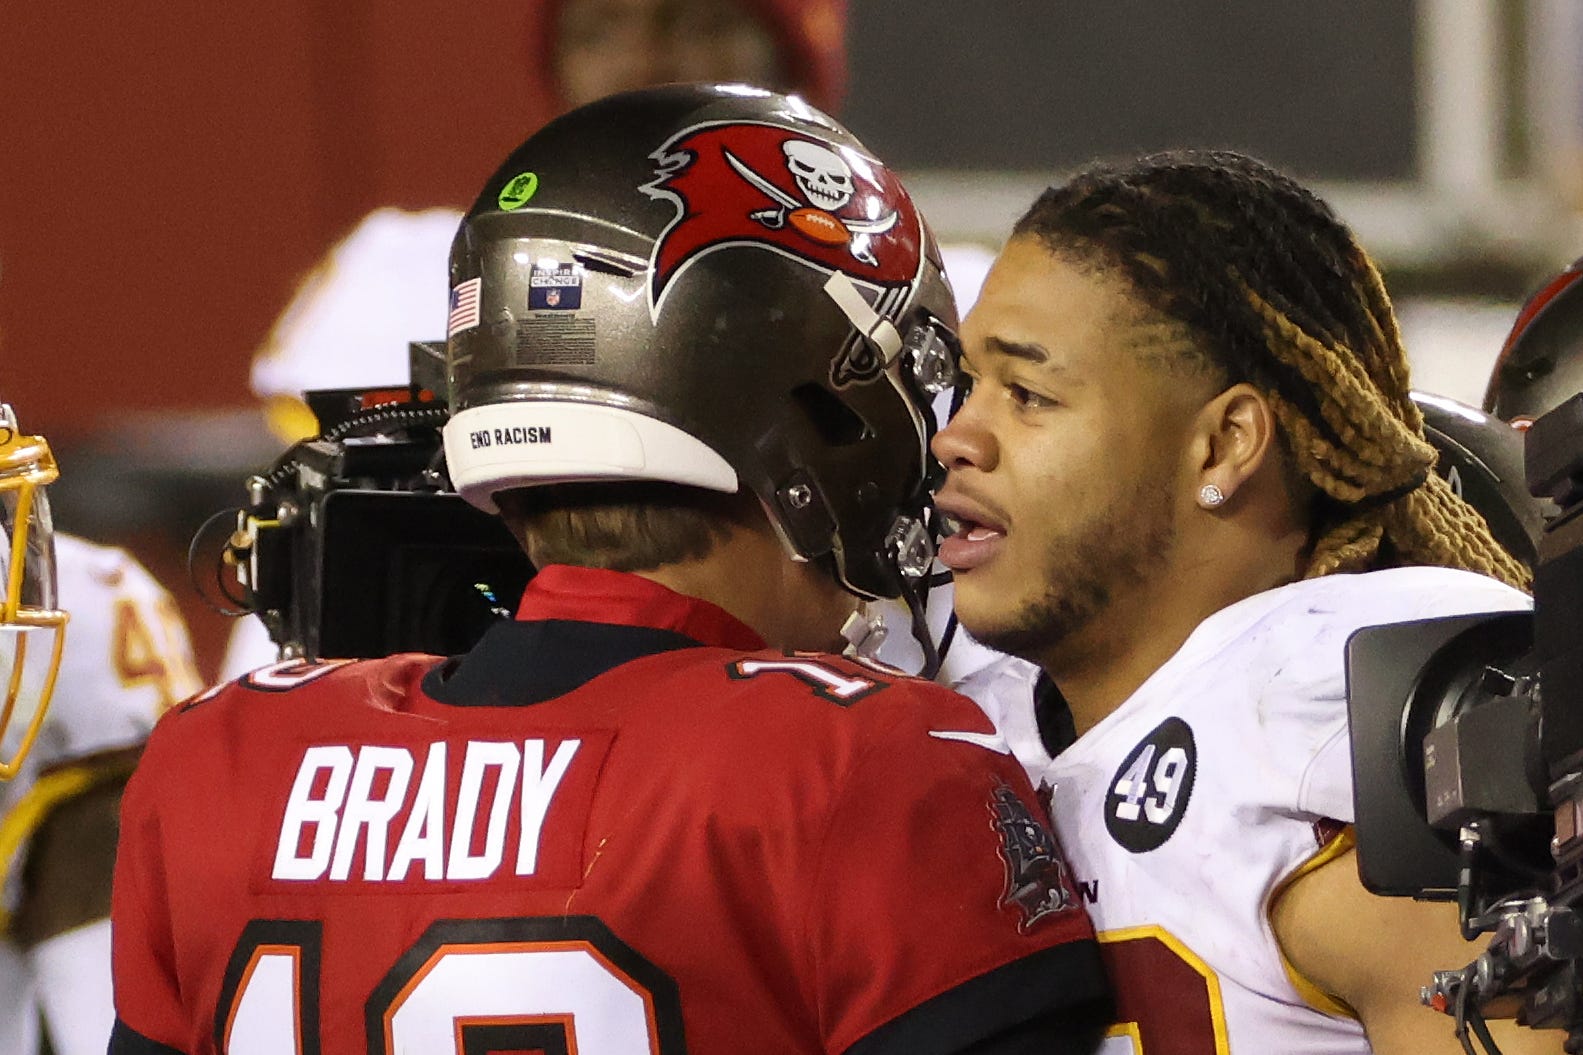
x,y
1269,288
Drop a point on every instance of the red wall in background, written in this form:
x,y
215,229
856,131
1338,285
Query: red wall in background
x,y
168,171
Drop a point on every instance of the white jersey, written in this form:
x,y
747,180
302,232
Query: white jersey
x,y
1228,772
248,648
127,658
1001,685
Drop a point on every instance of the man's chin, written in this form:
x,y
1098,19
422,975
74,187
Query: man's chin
x,y
1000,627
973,611
1032,629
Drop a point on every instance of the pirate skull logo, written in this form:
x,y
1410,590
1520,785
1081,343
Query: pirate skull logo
x,y
826,182
820,173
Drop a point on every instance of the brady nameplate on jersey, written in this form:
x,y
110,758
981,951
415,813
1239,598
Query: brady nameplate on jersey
x,y
458,811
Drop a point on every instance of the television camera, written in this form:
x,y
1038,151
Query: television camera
x,y
1467,744
354,545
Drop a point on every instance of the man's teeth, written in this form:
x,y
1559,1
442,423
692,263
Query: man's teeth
x,y
955,525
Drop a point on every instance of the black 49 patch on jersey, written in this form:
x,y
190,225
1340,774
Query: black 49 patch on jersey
x,y
1149,793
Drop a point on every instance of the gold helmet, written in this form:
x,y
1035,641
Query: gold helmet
x,y
32,626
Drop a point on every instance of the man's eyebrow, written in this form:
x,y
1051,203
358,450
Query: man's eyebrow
x,y
1033,353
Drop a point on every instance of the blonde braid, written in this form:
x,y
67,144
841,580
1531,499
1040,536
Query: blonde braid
x,y
1352,545
1396,381
1324,464
1379,452
1382,451
1434,526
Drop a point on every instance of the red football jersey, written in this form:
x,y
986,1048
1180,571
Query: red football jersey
x,y
617,825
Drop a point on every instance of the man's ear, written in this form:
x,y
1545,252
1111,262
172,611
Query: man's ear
x,y
1234,436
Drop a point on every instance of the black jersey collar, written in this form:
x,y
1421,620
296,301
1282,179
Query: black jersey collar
x,y
573,625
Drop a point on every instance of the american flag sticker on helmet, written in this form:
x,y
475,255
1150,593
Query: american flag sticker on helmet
x,y
464,307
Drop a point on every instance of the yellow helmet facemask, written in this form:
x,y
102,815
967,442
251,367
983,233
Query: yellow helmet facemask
x,y
32,626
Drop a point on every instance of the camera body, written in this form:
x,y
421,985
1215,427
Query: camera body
x,y
353,545
1467,738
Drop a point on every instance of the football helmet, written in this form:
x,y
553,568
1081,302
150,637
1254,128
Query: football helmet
x,y
1481,457
1541,364
32,627
711,285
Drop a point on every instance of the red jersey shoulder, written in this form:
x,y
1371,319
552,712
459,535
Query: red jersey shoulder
x,y
317,683
918,749
844,680
833,698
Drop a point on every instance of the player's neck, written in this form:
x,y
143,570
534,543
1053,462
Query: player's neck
x,y
708,580
1100,667
748,574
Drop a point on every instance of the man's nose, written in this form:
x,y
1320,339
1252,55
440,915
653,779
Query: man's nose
x,y
965,442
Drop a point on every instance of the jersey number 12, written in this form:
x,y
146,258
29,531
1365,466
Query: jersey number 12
x,y
560,984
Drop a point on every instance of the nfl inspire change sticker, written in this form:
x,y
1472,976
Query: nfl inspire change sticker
x,y
555,287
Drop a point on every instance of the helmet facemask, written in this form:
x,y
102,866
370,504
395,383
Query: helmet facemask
x,y
32,626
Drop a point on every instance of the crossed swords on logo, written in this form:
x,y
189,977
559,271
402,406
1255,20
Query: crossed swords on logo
x,y
820,173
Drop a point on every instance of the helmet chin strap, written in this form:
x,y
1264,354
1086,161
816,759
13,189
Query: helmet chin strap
x,y
865,632
916,593
872,325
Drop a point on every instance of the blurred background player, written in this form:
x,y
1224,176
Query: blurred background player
x,y
125,660
639,878
32,622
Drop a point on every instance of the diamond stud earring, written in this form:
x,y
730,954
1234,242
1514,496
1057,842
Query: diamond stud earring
x,y
1210,496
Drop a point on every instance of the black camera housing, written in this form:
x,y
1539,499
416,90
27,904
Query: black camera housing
x,y
1467,739
411,571
356,546
1403,682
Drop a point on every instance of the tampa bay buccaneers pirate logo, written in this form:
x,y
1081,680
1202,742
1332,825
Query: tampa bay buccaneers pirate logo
x,y
1036,874
826,183
829,206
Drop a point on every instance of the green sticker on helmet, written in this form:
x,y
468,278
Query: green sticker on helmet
x,y
518,189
